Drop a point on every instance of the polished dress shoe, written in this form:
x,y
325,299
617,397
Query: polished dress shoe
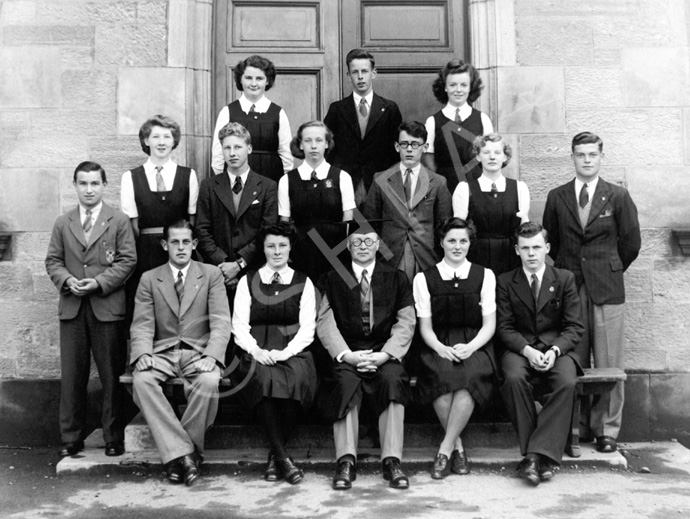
x,y
272,472
293,474
459,463
606,444
114,449
174,470
528,469
345,474
441,468
71,448
191,469
393,473
547,469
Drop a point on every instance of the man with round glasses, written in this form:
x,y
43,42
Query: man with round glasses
x,y
366,323
411,200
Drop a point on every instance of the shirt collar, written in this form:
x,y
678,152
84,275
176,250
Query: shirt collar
x,y
449,111
149,166
591,185
243,176
462,271
267,273
539,273
358,270
95,211
369,98
175,270
260,106
305,170
485,183
415,170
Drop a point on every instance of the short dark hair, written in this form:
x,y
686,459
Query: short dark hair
x,y
234,130
480,141
448,224
359,54
163,122
414,129
457,66
587,138
530,230
297,139
281,228
183,223
256,61
87,166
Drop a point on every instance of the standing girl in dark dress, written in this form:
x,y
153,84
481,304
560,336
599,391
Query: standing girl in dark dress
x,y
453,128
266,122
274,321
456,308
154,195
316,196
495,205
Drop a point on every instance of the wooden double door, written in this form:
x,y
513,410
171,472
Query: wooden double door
x,y
308,40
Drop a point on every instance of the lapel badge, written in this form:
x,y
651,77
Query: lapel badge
x,y
551,289
254,193
328,183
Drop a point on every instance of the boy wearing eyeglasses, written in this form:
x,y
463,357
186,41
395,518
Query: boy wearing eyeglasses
x,y
411,201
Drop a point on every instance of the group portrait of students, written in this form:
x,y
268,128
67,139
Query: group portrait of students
x,y
396,250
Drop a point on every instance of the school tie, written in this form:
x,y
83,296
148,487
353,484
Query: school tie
x,y
252,109
237,186
363,110
87,224
160,184
179,285
408,185
494,189
535,287
313,176
276,279
457,116
584,196
365,300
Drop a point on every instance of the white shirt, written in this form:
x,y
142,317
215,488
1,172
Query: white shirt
x,y
368,98
242,310
347,193
461,196
449,111
243,176
591,187
95,211
175,270
261,106
422,297
128,204
539,273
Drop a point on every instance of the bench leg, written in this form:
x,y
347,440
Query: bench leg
x,y
572,448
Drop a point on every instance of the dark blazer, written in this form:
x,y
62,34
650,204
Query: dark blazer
x,y
599,254
431,202
361,158
201,320
555,321
226,235
109,258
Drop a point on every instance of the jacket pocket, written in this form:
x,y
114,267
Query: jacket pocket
x,y
616,264
106,253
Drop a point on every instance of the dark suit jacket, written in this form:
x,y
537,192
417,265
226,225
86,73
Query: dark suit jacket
x,y
431,202
109,258
554,322
226,235
599,254
361,158
201,320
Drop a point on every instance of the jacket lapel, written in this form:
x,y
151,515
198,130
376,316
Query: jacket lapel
x,y
75,226
166,286
350,115
191,287
422,187
548,288
223,191
601,198
396,188
522,288
377,110
101,224
570,201
249,193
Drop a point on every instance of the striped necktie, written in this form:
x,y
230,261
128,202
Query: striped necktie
x,y
365,300
87,225
160,184
179,285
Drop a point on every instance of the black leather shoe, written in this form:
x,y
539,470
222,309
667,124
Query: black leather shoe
x,y
174,470
345,474
293,474
441,467
547,469
606,444
191,470
459,463
528,469
114,449
71,448
272,472
393,473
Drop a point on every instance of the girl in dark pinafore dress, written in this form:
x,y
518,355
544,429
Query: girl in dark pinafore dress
x,y
453,128
456,309
495,205
315,196
266,122
273,323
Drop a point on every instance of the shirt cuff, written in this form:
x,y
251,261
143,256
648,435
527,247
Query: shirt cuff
x,y
556,350
339,356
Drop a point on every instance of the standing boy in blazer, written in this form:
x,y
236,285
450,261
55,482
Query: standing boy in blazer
x,y
595,234
538,322
364,126
411,200
90,256
232,206
181,327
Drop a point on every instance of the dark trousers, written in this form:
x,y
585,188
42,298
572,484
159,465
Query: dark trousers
x,y
547,432
79,337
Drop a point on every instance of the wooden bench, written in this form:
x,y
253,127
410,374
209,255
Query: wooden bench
x,y
126,378
595,381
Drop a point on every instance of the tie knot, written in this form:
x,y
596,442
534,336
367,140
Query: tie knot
x,y
276,279
534,278
364,274
88,212
159,169
408,172
179,275
314,176
237,186
252,109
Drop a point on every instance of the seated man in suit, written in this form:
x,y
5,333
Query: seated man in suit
x,y
412,200
181,328
539,325
366,322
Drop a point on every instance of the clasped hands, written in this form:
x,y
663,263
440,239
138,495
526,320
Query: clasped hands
x,y
537,360
81,287
270,357
455,353
230,269
366,361
202,365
